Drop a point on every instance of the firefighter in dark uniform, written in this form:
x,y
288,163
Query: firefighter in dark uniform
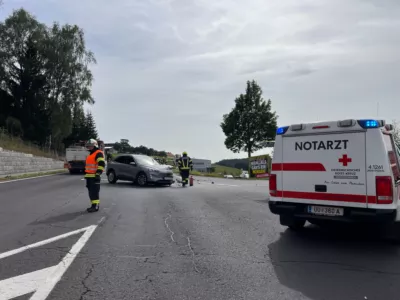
x,y
185,165
95,165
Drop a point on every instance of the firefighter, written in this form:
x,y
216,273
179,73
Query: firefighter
x,y
95,165
185,165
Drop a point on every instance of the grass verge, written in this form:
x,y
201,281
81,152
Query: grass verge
x,y
223,170
30,175
12,143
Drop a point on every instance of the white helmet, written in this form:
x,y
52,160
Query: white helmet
x,y
92,142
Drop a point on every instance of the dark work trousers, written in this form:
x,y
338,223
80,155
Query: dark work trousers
x,y
185,176
94,190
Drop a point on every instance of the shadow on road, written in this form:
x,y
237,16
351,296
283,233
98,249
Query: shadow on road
x,y
60,218
128,184
337,264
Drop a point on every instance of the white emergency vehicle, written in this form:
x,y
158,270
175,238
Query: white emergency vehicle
x,y
337,171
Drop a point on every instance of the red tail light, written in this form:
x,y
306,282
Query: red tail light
x,y
272,185
384,189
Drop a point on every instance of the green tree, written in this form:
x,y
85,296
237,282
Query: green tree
x,y
90,127
22,79
44,75
251,123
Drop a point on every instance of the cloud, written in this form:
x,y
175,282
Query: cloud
x,y
168,69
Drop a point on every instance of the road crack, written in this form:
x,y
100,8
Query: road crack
x,y
189,245
147,278
83,282
166,225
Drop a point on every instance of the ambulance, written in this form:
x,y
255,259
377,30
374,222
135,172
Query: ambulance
x,y
344,171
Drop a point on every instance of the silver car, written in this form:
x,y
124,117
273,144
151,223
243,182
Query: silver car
x,y
140,169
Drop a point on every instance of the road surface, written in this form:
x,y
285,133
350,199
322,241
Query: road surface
x,y
211,241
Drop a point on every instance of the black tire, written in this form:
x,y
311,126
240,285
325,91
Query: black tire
x,y
141,179
292,222
297,225
112,177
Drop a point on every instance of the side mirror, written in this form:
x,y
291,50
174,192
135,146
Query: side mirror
x,y
132,163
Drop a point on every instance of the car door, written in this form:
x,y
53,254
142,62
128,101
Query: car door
x,y
131,169
121,167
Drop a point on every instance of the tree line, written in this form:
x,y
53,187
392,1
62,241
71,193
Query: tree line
x,y
45,81
124,147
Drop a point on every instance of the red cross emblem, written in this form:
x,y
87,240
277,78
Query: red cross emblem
x,y
345,160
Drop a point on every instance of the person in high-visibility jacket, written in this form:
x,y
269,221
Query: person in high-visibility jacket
x,y
95,165
185,165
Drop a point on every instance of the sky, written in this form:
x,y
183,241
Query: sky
x,y
167,70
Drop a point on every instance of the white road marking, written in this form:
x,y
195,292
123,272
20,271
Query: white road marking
x,y
9,181
23,284
45,289
41,243
43,281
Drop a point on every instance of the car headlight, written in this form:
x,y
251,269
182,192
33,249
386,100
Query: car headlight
x,y
154,170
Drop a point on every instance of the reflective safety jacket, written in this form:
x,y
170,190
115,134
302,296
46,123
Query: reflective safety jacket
x,y
185,163
95,164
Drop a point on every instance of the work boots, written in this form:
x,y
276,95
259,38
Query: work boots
x,y
93,208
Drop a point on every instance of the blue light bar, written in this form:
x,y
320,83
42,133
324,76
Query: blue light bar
x,y
282,130
369,123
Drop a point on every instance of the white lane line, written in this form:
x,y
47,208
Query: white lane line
x,y
24,284
9,181
101,220
45,289
41,243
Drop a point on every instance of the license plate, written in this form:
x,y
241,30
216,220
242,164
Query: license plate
x,y
325,210
168,178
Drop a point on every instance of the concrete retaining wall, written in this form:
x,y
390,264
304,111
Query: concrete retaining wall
x,y
19,163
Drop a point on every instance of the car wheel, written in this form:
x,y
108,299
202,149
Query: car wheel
x,y
112,178
292,222
141,179
297,225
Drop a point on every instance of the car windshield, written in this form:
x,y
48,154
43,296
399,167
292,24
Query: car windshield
x,y
146,160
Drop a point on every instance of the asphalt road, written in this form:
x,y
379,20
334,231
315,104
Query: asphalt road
x,y
210,241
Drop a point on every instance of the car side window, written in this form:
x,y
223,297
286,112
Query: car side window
x,y
129,159
120,159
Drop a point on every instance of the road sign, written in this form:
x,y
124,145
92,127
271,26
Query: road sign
x,y
42,282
